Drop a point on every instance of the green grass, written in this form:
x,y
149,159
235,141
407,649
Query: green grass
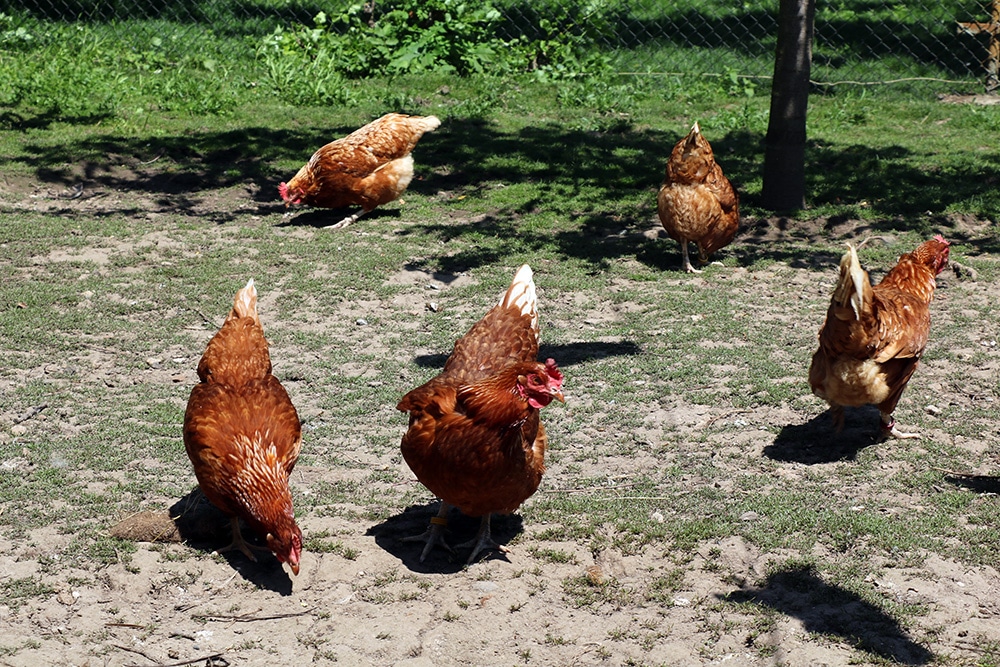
x,y
687,417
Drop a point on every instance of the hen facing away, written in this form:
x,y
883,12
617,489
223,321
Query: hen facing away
x,y
369,167
873,337
243,435
696,202
475,439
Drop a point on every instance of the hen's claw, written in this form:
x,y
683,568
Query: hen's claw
x,y
434,533
686,260
483,541
346,221
240,544
889,430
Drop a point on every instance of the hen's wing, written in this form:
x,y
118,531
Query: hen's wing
x,y
381,141
243,442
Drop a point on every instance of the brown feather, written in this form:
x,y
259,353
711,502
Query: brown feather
x,y
241,431
873,336
367,168
473,439
696,201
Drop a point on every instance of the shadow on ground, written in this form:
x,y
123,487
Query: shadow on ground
x,y
826,609
415,519
817,440
197,523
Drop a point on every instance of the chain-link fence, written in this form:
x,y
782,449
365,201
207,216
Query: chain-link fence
x,y
947,43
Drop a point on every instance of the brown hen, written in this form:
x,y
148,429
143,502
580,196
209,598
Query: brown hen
x,y
873,337
475,439
369,167
243,435
696,202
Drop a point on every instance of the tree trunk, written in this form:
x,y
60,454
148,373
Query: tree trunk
x,y
785,144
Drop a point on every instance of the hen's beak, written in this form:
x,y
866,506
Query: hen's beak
x,y
295,568
557,394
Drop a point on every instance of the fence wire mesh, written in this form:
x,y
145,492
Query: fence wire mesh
x,y
864,42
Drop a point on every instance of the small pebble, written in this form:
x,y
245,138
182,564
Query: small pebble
x,y
361,321
933,410
432,306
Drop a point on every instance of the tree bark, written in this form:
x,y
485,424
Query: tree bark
x,y
785,144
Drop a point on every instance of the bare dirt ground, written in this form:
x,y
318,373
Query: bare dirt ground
x,y
368,601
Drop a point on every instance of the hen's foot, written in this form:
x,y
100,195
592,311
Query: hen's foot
x,y
686,260
837,415
434,535
483,541
888,430
346,221
240,544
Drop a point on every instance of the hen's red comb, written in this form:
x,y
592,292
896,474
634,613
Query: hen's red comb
x,y
553,370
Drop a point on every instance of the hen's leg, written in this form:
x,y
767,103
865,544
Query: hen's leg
x,y
887,429
837,415
346,221
483,541
241,544
685,260
434,533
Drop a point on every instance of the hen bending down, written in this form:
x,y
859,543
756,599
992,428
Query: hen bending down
x,y
873,337
696,202
243,435
475,439
369,167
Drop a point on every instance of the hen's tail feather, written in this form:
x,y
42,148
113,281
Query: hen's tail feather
x,y
245,303
427,123
521,295
853,288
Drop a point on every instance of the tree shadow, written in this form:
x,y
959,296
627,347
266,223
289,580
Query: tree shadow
x,y
415,519
203,526
977,483
817,441
827,609
565,354
600,186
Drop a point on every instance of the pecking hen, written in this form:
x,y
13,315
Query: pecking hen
x,y
475,439
243,435
873,337
696,202
369,167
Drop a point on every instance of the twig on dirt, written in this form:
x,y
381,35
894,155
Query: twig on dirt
x,y
244,618
136,651
181,635
224,583
580,489
124,625
154,159
30,413
206,658
634,498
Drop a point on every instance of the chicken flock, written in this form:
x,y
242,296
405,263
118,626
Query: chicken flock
x,y
475,437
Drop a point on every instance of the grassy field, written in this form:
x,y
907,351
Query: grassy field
x,y
697,506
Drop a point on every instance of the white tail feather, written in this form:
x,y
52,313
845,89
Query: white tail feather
x,y
521,295
852,284
245,303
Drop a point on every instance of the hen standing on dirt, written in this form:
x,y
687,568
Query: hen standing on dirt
x,y
873,337
243,435
367,168
696,201
475,438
